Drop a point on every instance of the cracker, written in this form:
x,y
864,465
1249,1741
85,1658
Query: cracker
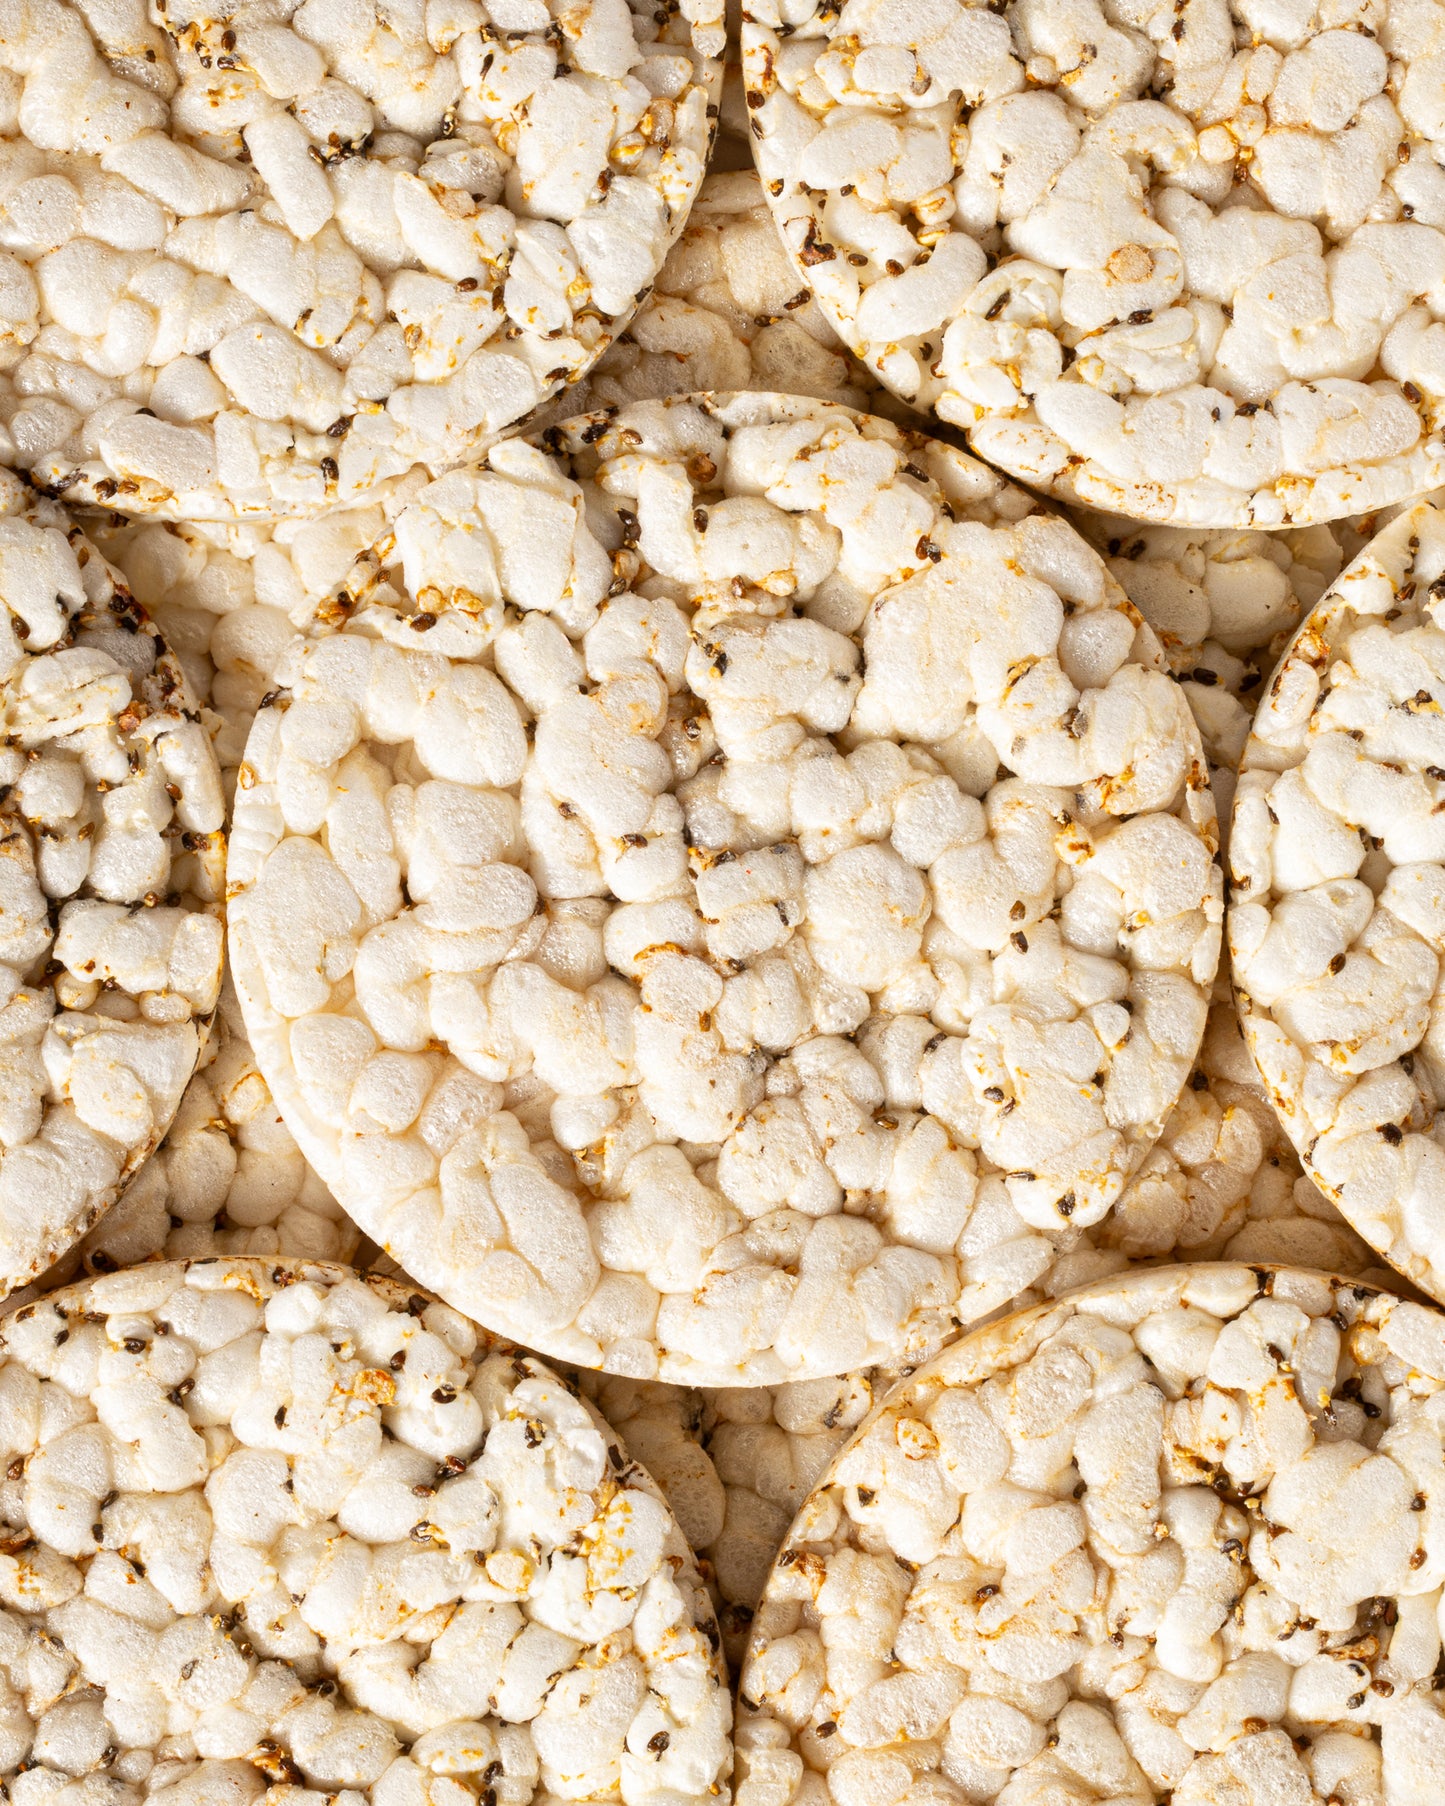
x,y
1175,1536
720,732
110,916
273,1523
1334,933
1184,265
263,264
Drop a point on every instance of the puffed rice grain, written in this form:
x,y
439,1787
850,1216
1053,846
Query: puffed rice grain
x,y
727,312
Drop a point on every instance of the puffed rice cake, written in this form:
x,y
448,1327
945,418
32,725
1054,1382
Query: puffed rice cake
x,y
1175,1536
1184,263
110,884
653,1122
260,262
1335,924
274,1527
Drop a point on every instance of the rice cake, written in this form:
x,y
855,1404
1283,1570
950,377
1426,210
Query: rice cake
x,y
274,1527
1179,263
110,885
1334,860
1175,1536
707,690
262,264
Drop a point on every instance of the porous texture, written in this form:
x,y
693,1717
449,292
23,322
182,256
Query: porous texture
x,y
1184,262
1223,605
111,863
807,888
262,263
232,597
1176,1537
1336,924
271,1527
228,1178
727,312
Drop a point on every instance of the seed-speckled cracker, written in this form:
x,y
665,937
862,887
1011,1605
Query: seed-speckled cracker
x,y
1182,263
264,262
111,862
1176,1536
273,1525
735,871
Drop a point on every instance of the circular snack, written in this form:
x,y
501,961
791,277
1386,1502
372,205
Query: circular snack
x,y
1175,1537
1337,921
111,863
278,1524
260,262
729,875
1184,263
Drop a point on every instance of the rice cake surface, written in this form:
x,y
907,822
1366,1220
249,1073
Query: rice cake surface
x,y
1335,859
110,884
1181,263
808,886
261,262
1175,1536
274,1527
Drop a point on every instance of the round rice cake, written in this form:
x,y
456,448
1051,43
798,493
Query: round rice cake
x,y
1337,918
1184,263
111,878
1177,1536
273,1526
262,263
732,869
